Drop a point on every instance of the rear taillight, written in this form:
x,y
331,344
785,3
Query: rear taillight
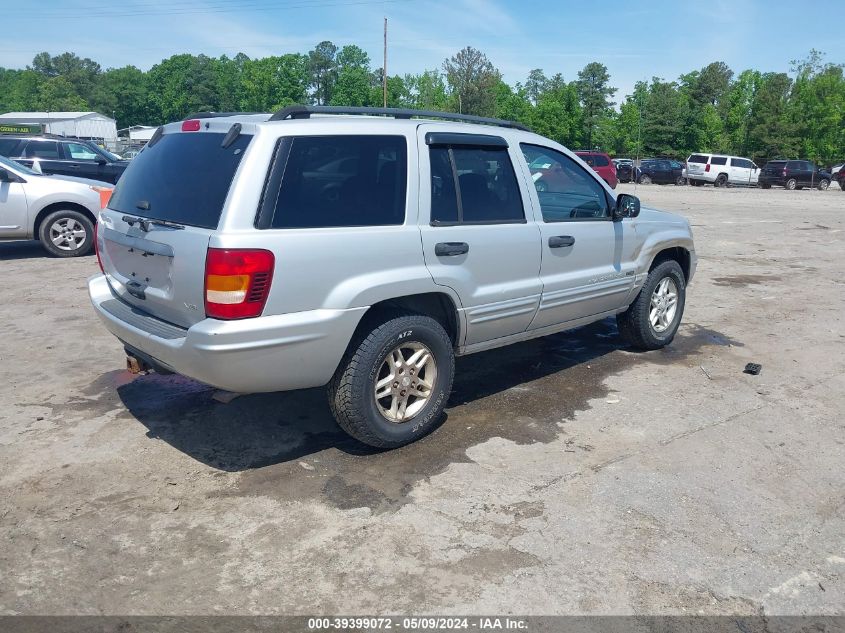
x,y
784,171
191,125
97,246
707,167
237,282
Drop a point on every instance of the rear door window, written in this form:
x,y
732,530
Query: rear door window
x,y
719,160
485,192
183,178
48,150
601,161
334,181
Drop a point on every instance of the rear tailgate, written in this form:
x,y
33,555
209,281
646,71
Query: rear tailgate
x,y
154,235
696,164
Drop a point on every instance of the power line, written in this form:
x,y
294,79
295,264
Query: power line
x,y
204,11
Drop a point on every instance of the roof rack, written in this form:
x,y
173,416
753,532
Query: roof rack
x,y
215,115
304,112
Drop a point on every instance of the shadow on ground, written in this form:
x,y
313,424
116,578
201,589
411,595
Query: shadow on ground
x,y
521,393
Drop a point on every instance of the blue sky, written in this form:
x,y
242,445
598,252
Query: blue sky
x,y
635,40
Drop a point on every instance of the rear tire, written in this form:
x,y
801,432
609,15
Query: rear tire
x,y
721,181
640,325
680,181
66,233
791,184
645,179
371,361
824,183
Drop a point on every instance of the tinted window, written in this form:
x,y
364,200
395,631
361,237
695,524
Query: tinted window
x,y
343,181
742,163
588,158
697,158
7,146
77,151
793,164
719,160
183,178
42,149
601,161
486,191
776,164
566,191
676,165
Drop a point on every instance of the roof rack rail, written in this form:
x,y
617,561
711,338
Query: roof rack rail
x,y
215,115
304,112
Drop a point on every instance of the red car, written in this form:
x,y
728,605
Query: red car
x,y
602,165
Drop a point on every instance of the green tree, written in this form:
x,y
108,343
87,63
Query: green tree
x,y
817,108
354,83
427,91
472,81
122,92
182,84
322,71
270,83
662,119
772,132
739,103
57,94
595,92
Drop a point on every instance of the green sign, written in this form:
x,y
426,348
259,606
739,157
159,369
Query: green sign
x,y
20,128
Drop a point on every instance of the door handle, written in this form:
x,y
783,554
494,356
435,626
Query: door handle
x,y
451,249
559,241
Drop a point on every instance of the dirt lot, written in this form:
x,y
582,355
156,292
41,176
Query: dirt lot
x,y
571,476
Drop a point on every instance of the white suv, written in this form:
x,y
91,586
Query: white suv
x,y
721,171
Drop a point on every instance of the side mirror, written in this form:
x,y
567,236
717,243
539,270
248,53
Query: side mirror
x,y
627,206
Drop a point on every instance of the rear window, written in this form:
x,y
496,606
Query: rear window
x,y
342,181
183,178
719,160
776,164
697,158
42,149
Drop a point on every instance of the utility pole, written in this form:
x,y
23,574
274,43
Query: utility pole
x,y
384,73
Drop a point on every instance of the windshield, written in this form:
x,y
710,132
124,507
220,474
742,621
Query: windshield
x,y
5,162
109,155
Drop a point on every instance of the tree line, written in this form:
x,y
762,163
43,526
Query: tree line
x,y
800,114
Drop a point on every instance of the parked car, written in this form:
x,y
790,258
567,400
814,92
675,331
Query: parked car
x,y
662,172
839,177
602,165
64,156
60,211
130,153
625,170
836,169
794,174
282,252
721,171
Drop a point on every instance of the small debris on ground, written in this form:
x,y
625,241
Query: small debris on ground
x,y
306,466
706,373
225,397
753,369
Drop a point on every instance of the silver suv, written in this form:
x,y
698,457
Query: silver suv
x,y
263,253
60,211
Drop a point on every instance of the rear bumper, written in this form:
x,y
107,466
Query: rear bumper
x,y
271,353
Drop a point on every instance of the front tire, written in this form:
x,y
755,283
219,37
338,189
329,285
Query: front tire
x,y
645,180
652,320
391,387
67,233
680,181
766,186
824,183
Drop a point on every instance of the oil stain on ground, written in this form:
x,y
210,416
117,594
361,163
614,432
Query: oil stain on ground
x,y
742,281
287,445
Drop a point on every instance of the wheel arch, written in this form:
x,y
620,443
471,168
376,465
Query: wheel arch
x,y
676,253
440,306
59,206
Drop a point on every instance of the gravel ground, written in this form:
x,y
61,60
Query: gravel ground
x,y
571,475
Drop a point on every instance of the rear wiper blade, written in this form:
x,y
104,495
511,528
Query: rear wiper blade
x,y
145,223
